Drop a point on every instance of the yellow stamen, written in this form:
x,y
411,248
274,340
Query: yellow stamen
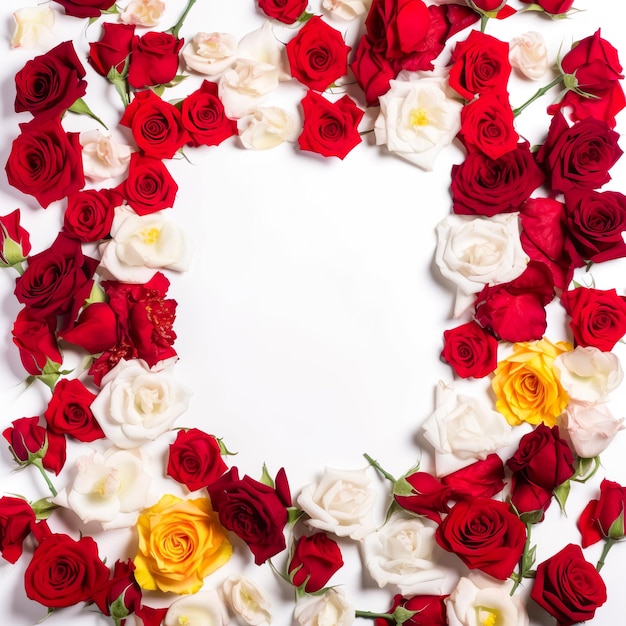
x,y
150,235
418,117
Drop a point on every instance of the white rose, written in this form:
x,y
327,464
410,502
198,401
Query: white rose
x,y
266,127
210,53
109,488
137,404
246,600
529,55
463,429
142,244
341,502
204,608
476,251
102,157
143,12
400,553
346,9
263,46
590,428
329,609
418,117
479,599
33,27
588,374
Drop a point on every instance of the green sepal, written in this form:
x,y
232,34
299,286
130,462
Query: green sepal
x,y
294,514
112,10
402,615
616,530
12,252
224,451
43,508
266,479
118,609
532,517
561,493
118,80
585,469
305,17
96,294
82,108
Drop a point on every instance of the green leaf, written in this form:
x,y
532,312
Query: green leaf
x,y
224,451
305,17
402,615
43,508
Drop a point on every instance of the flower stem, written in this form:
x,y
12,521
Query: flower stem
x,y
483,22
174,30
524,564
371,615
608,544
538,94
38,464
376,465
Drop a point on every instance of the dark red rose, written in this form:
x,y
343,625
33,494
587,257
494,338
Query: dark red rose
x,y
195,459
121,588
485,535
330,128
36,341
529,498
57,281
488,5
598,317
89,213
480,65
112,49
568,587
203,117
45,161
95,330
315,559
85,8
317,55
604,518
149,187
16,521
26,436
487,126
429,497
429,611
154,59
14,240
156,125
64,572
578,156
487,187
255,512
515,311
470,350
554,7
68,411
285,11
372,70
484,478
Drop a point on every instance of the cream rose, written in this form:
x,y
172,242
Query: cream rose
x,y
418,117
266,127
204,608
529,55
137,404
329,609
246,601
103,158
346,9
143,12
400,553
476,251
33,28
341,502
210,53
590,428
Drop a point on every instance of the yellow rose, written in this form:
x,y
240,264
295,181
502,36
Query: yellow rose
x,y
526,385
180,542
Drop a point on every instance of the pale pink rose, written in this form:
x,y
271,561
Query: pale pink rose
x,y
529,55
103,158
590,428
210,53
33,28
143,12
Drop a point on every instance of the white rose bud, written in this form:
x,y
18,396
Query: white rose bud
x,y
529,55
266,127
330,608
210,53
246,601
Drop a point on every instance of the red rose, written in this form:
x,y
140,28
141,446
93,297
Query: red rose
x,y
480,65
487,126
429,611
195,459
14,240
25,437
16,521
64,572
149,187
315,559
68,411
122,589
554,7
485,535
372,70
568,587
85,8
488,5
156,125
57,281
285,11
112,49
484,478
317,55
598,318
89,213
154,59
36,341
95,330
255,512
470,350
330,128
578,156
203,117
485,186
45,161
428,498
604,518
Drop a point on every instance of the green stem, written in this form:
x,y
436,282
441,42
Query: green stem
x,y
371,615
608,544
522,570
483,22
377,466
538,94
82,108
38,464
174,30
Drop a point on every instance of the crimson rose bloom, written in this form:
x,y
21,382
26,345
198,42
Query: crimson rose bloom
x,y
604,518
285,11
429,611
45,161
429,497
89,213
14,240
484,478
112,49
485,535
64,572
68,411
330,128
195,459
36,341
470,350
255,512
554,7
317,55
50,83
154,59
598,318
85,8
16,521
315,559
568,587
372,70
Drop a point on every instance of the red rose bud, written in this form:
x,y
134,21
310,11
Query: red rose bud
x,y
484,478
604,518
16,521
14,240
428,497
112,49
285,11
427,611
122,595
554,7
36,342
315,560
487,6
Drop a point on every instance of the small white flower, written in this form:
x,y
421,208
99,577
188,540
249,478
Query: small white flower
x,y
246,601
528,54
33,27
329,609
210,53
143,12
103,158
266,127
204,608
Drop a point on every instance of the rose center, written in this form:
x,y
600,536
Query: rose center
x,y
149,235
487,616
418,117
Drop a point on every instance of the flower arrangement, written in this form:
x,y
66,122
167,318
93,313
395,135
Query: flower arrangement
x,y
96,328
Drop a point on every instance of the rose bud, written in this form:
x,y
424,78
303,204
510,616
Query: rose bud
x,y
16,521
14,240
604,518
315,560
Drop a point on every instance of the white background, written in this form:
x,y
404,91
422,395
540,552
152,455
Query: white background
x,y
310,324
